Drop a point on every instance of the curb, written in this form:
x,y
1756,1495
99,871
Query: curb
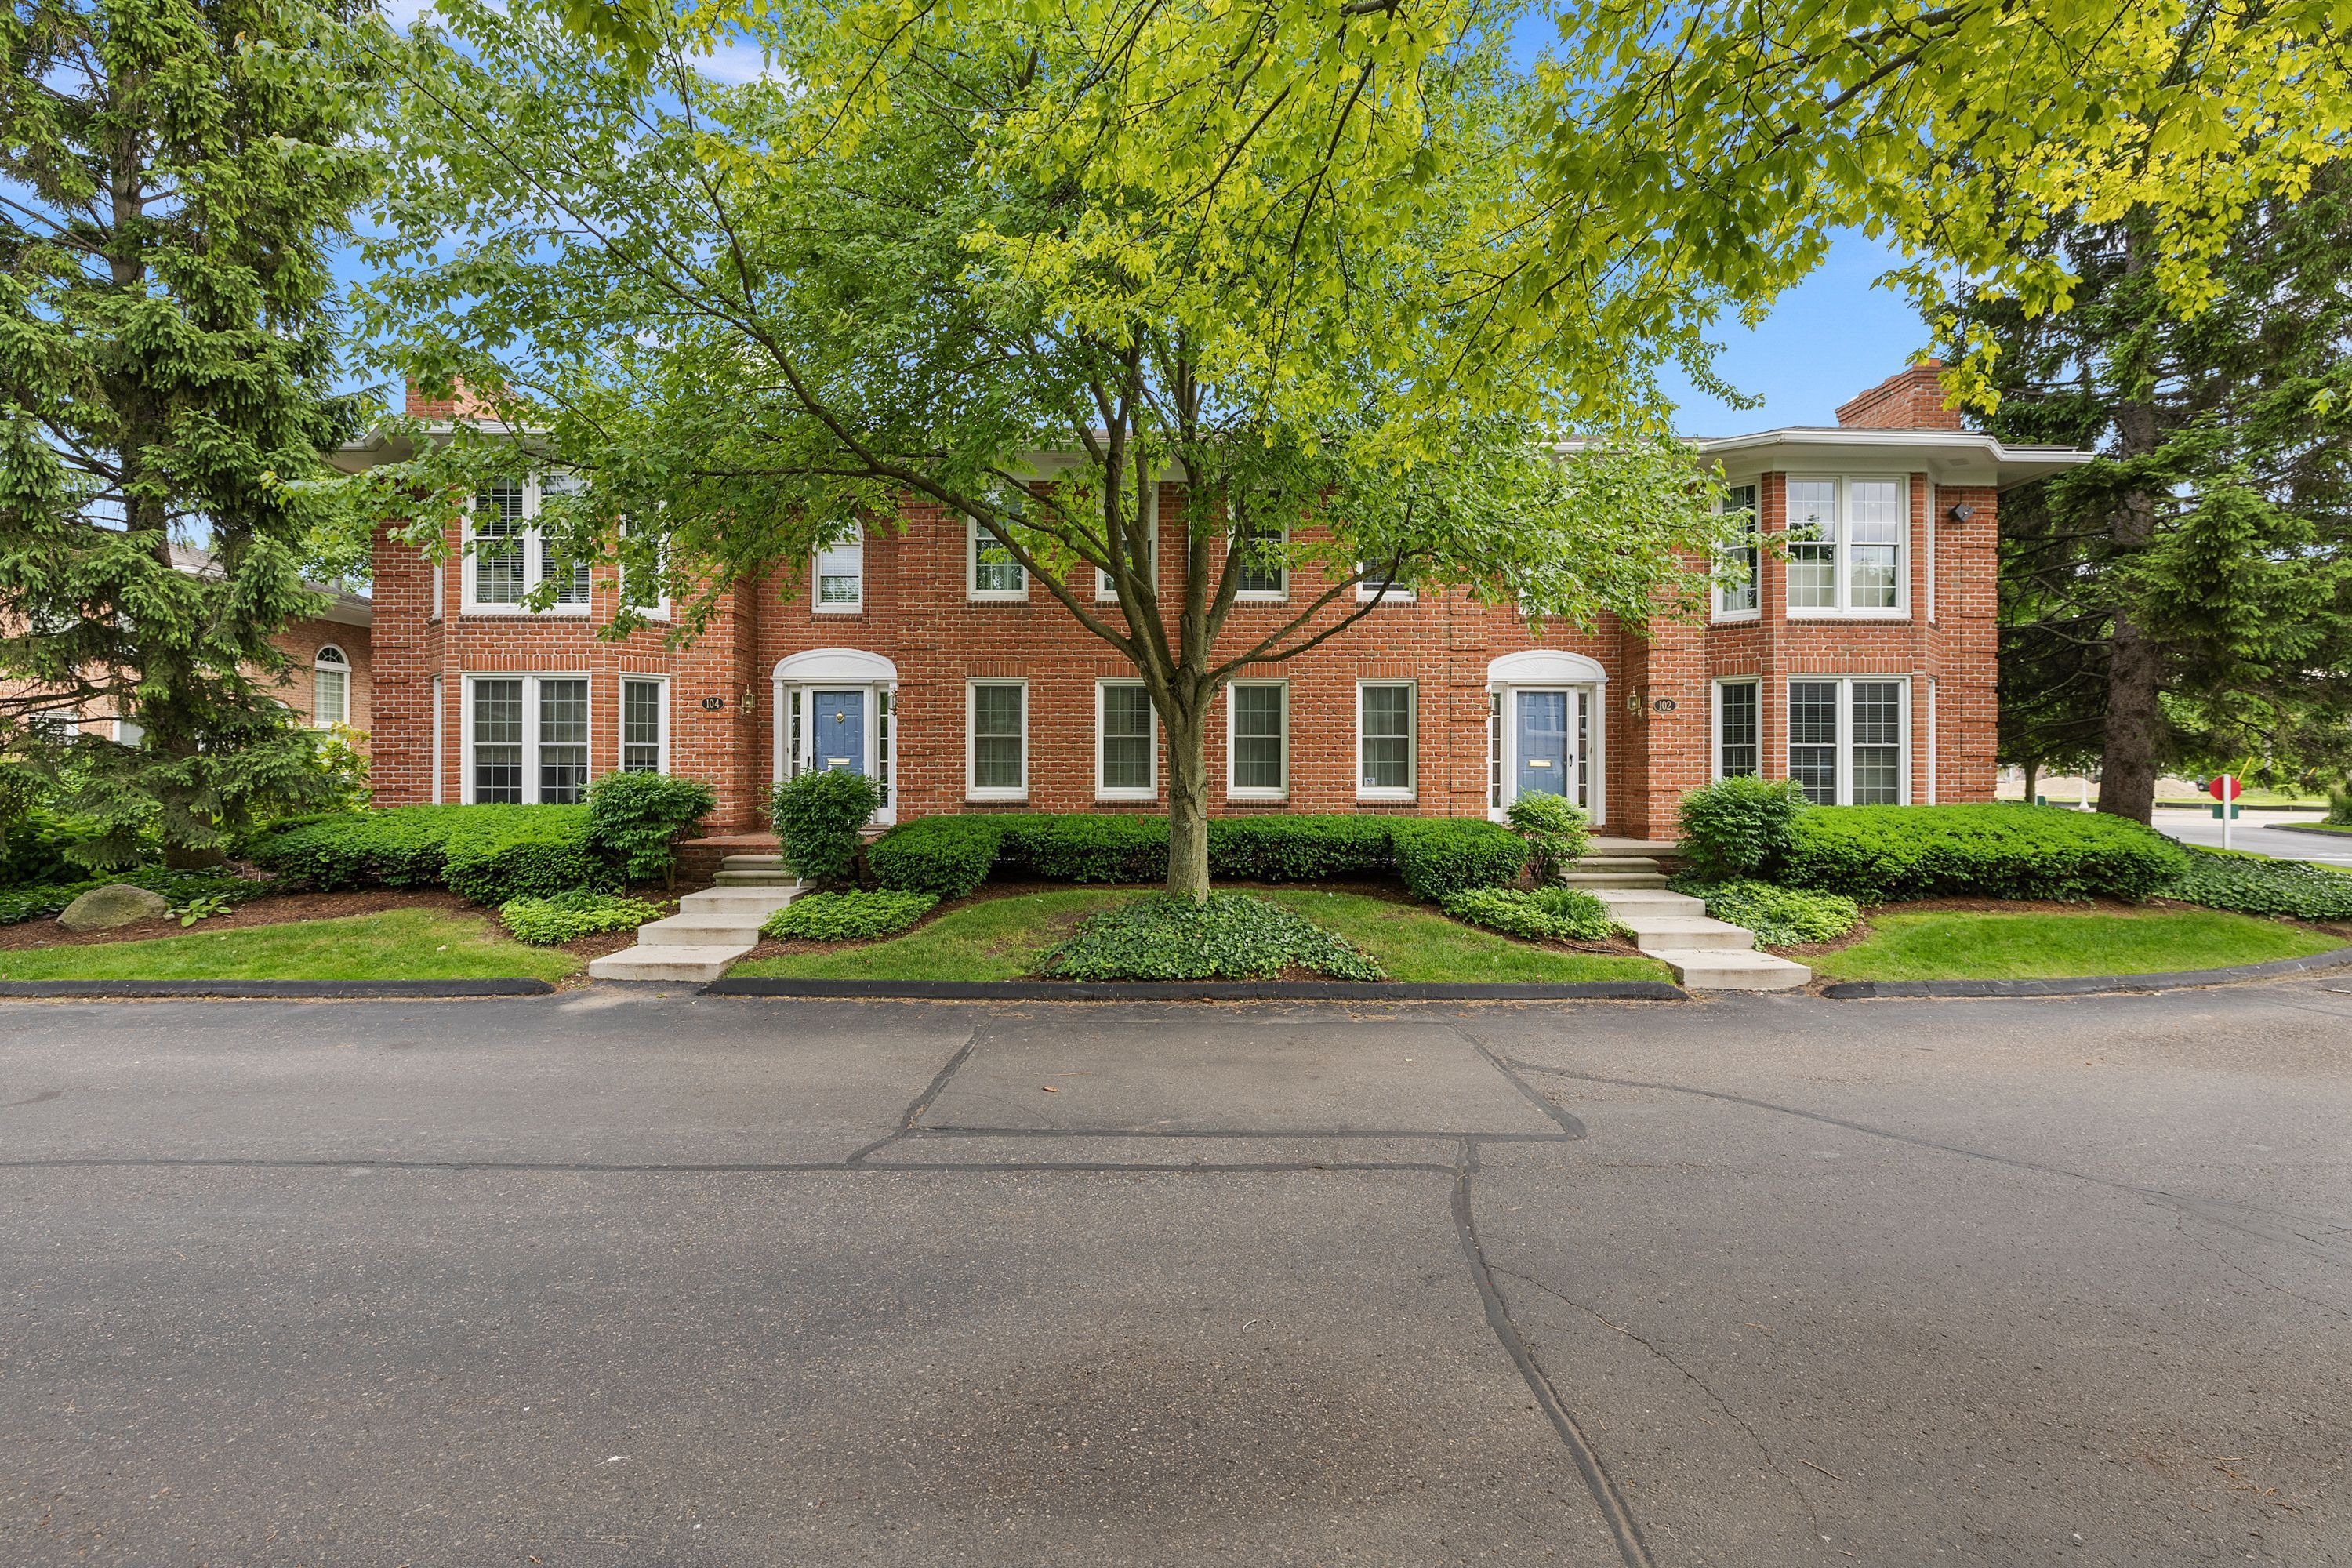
x,y
234,990
2089,985
2338,834
1198,991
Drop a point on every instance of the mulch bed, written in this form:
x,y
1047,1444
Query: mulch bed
x,y
282,908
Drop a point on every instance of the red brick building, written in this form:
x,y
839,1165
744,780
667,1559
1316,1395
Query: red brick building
x,y
1863,664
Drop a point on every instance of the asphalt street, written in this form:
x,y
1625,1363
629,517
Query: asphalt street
x,y
2258,831
625,1279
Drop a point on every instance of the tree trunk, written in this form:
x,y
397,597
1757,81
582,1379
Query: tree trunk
x,y
1188,804
2032,777
2135,662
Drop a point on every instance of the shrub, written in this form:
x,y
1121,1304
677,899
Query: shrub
x,y
1781,917
35,847
1438,855
1582,917
1227,936
854,916
944,855
818,818
634,820
177,887
1079,846
566,916
1302,848
1555,832
1879,853
2250,885
2339,804
1567,914
1738,826
486,853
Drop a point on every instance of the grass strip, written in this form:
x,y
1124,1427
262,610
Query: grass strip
x,y
396,944
2043,946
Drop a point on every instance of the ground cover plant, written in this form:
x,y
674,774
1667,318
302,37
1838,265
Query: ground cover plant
x,y
2252,884
486,853
178,888
1226,936
854,916
1007,937
1780,917
567,917
1937,945
1568,914
1432,857
398,944
818,819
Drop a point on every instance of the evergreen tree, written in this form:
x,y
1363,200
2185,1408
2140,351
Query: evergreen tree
x,y
174,174
2186,600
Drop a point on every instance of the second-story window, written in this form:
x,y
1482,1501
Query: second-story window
x,y
841,576
1847,540
1736,588
508,555
991,569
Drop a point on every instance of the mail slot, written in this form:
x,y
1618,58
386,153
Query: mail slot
x,y
836,762
1538,762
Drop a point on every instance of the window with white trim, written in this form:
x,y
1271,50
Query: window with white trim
x,y
1848,738
1738,730
1257,740
991,569
1376,582
526,740
840,576
1126,737
1264,577
330,687
997,733
1738,592
506,555
1105,588
128,732
1848,541
645,724
1385,722
645,585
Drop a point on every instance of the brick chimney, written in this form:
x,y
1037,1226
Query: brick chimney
x,y
461,404
1911,399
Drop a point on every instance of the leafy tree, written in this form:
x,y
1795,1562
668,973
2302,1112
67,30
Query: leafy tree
x,y
1278,261
173,174
2187,600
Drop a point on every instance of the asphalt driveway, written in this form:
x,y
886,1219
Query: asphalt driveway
x,y
632,1279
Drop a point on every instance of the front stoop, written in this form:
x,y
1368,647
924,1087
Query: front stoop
x,y
711,929
1704,953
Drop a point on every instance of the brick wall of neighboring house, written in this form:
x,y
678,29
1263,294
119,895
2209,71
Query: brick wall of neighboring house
x,y
1651,722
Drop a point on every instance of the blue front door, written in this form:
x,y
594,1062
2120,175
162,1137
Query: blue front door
x,y
1542,722
837,731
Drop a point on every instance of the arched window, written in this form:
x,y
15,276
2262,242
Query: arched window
x,y
330,687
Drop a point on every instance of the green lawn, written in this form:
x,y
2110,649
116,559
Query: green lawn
x,y
1005,938
2036,946
398,944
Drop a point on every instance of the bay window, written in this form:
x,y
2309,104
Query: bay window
x,y
1848,740
527,739
507,555
1737,590
1738,751
1848,538
645,724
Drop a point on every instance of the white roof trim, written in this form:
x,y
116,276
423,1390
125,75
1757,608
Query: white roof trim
x,y
844,664
1545,666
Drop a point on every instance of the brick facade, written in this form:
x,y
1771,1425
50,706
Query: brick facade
x,y
1651,720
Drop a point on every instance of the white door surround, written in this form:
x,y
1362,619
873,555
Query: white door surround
x,y
800,675
1585,686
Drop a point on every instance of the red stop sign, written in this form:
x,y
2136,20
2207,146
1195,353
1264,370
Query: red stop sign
x,y
2223,787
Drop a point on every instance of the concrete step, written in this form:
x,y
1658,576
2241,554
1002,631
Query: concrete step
x,y
772,878
696,963
1648,900
752,863
1593,881
1714,969
1681,931
737,900
1615,863
701,931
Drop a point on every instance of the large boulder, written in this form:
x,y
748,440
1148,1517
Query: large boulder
x,y
116,904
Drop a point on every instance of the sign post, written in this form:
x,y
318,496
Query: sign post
x,y
2224,789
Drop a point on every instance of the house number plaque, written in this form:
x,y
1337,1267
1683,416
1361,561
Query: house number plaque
x,y
1663,705
713,704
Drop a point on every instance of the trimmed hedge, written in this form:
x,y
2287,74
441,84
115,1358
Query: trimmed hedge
x,y
486,853
1880,854
950,856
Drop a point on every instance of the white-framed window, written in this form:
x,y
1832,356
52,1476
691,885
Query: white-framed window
x,y
128,732
1386,722
1376,583
1264,581
440,569
506,555
646,588
645,724
440,724
1849,739
1106,589
526,740
991,572
1257,740
1126,741
1739,729
1848,540
996,739
1737,592
330,687
58,725
839,575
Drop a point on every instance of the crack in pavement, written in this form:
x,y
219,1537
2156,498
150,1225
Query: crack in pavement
x,y
2181,1228
1697,1382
